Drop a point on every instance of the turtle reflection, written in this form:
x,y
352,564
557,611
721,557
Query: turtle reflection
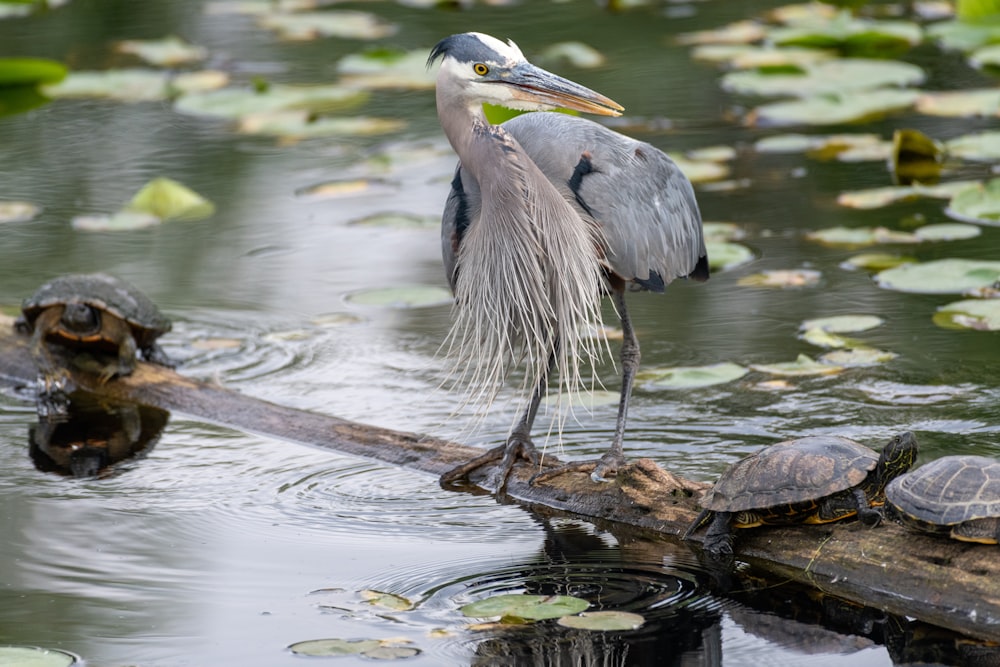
x,y
95,435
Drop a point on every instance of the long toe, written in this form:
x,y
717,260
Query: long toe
x,y
504,457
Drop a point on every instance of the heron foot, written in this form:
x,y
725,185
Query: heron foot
x,y
505,457
598,468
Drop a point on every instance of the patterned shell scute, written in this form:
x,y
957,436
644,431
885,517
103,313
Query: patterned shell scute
x,y
949,490
790,472
103,292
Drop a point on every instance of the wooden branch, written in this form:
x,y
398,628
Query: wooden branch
x,y
951,584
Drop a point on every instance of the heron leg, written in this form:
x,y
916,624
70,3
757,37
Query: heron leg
x,y
614,458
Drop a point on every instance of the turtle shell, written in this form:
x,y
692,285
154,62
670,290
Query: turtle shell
x,y
791,472
948,491
105,293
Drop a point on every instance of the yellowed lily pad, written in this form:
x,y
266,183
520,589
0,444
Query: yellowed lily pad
x,y
122,221
975,314
857,237
740,32
722,231
588,400
834,109
826,339
296,124
700,171
691,377
724,255
857,356
576,54
603,621
33,656
387,68
18,211
843,323
942,276
125,85
167,199
802,366
960,103
418,296
397,221
387,600
532,607
349,187
978,202
876,261
334,23
872,198
239,102
829,77
791,278
167,52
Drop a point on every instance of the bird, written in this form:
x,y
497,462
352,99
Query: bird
x,y
547,213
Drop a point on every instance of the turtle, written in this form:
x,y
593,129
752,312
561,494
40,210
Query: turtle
x,y
957,496
92,312
814,479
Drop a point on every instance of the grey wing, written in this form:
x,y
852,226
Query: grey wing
x,y
460,212
644,204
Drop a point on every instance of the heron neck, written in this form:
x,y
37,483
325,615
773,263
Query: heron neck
x,y
459,118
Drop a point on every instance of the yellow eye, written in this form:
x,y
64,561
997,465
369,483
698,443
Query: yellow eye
x,y
480,69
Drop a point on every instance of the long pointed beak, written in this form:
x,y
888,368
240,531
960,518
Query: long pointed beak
x,y
535,85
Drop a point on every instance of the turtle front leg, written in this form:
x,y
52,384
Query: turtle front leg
x,y
154,354
54,383
719,536
867,514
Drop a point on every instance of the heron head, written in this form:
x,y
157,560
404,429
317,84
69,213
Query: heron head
x,y
477,68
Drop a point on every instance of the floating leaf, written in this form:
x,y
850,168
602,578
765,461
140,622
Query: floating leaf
x,y
846,147
803,365
858,356
169,200
33,656
608,621
397,221
533,607
387,600
740,32
691,377
781,278
850,34
712,154
18,211
700,171
391,652
826,339
312,25
916,158
963,36
30,71
722,231
947,232
832,77
121,221
942,276
167,52
746,56
419,296
976,314
872,198
238,102
576,54
977,202
334,647
346,188
125,85
960,103
857,237
986,57
843,323
187,83
723,255
876,261
898,393
981,146
295,124
834,109
786,143
385,68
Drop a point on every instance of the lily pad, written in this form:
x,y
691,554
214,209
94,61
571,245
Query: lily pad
x,y
843,323
576,54
532,607
857,356
387,68
18,211
313,25
349,187
296,124
169,200
740,32
960,103
724,255
781,278
747,56
121,221
844,147
607,621
980,146
419,296
976,314
872,198
238,102
963,36
125,85
802,366
30,71
831,77
397,221
386,652
986,58
849,34
857,237
167,52
978,202
834,109
947,232
722,231
826,339
33,656
691,377
876,261
712,154
915,158
700,171
334,647
387,600
942,276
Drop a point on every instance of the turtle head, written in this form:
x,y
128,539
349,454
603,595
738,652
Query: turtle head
x,y
80,318
898,456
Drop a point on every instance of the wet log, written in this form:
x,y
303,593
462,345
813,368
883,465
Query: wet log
x,y
954,585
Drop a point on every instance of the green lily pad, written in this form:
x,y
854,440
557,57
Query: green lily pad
x,y
831,77
387,600
122,221
963,36
986,58
124,85
857,237
980,146
167,52
386,652
30,71
387,68
576,54
942,276
843,323
607,621
397,221
532,607
296,124
802,366
976,314
724,255
691,377
857,356
747,56
849,34
978,202
235,103
419,296
825,339
313,25
781,278
18,211
19,99
844,147
169,200
334,647
834,109
872,198
876,261
33,656
947,232
960,103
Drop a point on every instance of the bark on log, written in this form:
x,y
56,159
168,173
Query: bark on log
x,y
951,584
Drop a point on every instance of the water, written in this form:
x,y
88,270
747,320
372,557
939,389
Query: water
x,y
219,547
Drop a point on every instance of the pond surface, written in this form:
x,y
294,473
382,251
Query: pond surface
x,y
221,547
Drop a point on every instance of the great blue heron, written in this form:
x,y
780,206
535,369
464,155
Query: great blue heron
x,y
548,212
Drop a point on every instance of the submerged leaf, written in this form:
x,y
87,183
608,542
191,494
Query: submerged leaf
x,y
976,314
691,377
169,200
533,607
607,621
387,600
122,221
346,188
397,221
825,339
418,296
803,365
942,276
